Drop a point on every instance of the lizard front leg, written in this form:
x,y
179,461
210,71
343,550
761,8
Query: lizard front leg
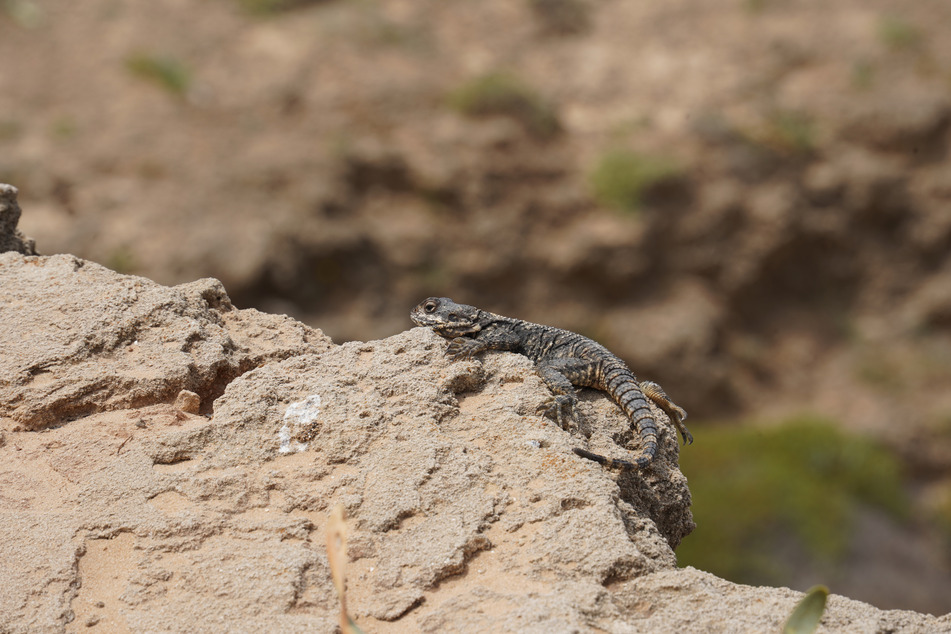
x,y
489,339
464,348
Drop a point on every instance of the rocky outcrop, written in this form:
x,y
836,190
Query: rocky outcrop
x,y
169,463
63,316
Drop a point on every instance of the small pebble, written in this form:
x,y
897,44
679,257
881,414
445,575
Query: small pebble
x,y
188,402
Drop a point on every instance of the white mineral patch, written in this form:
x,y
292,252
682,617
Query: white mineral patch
x,y
300,414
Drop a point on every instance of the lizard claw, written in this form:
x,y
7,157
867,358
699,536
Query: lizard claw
x,y
560,407
677,416
459,349
685,434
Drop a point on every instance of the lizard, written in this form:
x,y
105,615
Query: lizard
x,y
563,359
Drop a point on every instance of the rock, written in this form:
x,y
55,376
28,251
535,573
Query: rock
x,y
929,306
188,402
876,196
685,323
930,232
910,122
80,339
597,250
10,238
466,511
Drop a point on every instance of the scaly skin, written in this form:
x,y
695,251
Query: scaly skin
x,y
563,359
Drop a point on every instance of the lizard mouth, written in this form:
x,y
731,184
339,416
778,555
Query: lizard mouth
x,y
444,328
432,314
450,331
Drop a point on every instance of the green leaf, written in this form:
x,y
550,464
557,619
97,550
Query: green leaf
x,y
808,612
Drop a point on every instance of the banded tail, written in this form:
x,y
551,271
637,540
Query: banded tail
x,y
620,383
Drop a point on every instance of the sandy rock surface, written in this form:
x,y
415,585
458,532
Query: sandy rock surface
x,y
62,316
168,463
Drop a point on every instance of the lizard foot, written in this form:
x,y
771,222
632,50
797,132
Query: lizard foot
x,y
561,408
676,413
461,348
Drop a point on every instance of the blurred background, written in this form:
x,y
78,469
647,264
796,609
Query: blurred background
x,y
749,201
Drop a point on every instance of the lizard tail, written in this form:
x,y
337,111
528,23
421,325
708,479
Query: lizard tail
x,y
611,463
621,384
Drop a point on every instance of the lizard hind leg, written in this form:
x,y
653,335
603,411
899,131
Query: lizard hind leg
x,y
677,414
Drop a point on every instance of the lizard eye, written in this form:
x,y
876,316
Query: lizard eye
x,y
429,307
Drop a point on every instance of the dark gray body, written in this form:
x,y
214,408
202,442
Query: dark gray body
x,y
563,359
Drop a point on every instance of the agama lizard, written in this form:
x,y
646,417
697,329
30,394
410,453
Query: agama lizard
x,y
563,359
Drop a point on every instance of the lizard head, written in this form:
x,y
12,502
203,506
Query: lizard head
x,y
446,317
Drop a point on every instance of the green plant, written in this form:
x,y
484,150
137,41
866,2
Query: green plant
x,y
941,511
757,490
562,17
377,30
166,71
63,128
10,129
863,75
754,6
501,93
807,614
790,131
898,34
621,177
269,7
122,260
879,368
25,13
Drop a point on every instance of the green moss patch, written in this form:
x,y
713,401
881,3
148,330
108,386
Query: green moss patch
x,y
621,178
501,93
165,71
